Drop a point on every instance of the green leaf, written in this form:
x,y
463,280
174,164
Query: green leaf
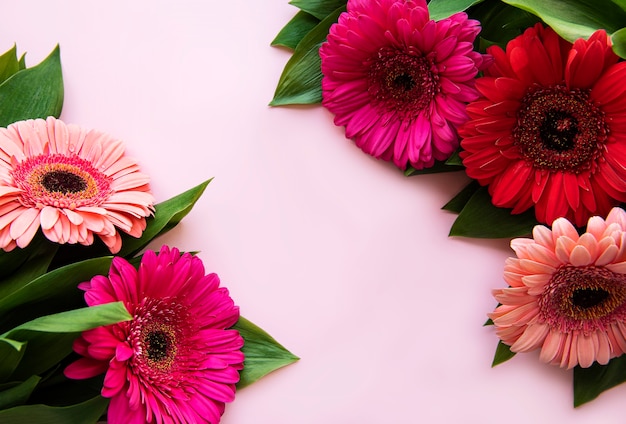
x,y
167,215
440,9
573,19
500,22
619,42
503,354
42,352
319,8
455,159
11,354
19,394
52,292
481,219
458,202
263,353
438,167
295,30
590,382
35,92
301,80
9,64
83,413
72,321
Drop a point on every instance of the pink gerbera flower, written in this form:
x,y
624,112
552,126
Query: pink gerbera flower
x,y
175,362
567,293
399,81
71,183
549,131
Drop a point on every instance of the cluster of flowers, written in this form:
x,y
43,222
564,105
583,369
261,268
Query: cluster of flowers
x,y
175,360
539,121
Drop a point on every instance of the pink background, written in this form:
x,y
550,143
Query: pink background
x,y
339,256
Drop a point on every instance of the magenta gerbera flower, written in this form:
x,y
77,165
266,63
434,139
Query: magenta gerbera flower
x,y
176,361
71,183
398,81
567,294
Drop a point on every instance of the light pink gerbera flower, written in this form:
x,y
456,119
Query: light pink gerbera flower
x,y
398,81
71,182
567,293
175,362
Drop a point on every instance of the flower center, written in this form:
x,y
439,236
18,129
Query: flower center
x,y
560,130
402,82
60,181
158,332
583,298
63,182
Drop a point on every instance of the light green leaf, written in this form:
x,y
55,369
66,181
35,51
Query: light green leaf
x,y
52,292
319,8
9,64
35,92
295,30
83,413
574,19
619,42
481,219
263,353
19,394
590,382
73,321
300,82
440,9
503,354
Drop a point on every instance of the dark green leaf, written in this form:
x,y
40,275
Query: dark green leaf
x,y
83,413
573,19
438,167
35,92
295,30
263,353
319,8
500,22
619,42
440,9
19,394
42,352
458,202
455,159
9,64
53,292
503,354
481,219
300,82
590,382
11,354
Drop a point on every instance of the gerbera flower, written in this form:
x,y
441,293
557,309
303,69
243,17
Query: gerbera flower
x,y
567,293
399,81
550,128
174,362
71,182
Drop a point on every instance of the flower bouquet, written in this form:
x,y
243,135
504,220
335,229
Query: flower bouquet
x,y
526,98
94,323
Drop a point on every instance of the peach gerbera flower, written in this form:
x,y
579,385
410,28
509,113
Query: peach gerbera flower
x,y
70,182
567,293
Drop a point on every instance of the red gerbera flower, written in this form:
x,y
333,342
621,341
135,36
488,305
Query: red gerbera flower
x,y
399,81
550,128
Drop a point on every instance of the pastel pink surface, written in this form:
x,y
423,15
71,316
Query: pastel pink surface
x,y
337,255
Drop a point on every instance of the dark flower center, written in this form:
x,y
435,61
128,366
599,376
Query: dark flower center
x,y
402,82
583,298
157,344
560,130
63,182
